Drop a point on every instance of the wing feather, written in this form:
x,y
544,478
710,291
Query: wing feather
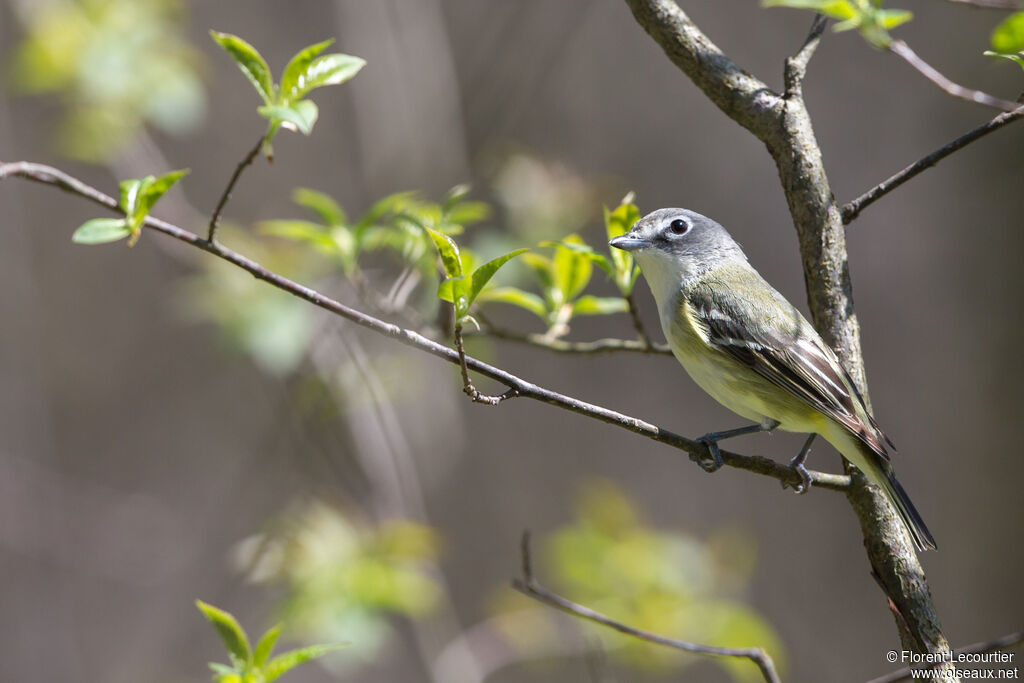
x,y
792,357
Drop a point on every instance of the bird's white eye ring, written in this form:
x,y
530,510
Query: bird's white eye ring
x,y
679,226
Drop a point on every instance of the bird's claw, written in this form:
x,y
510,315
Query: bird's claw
x,y
716,461
805,478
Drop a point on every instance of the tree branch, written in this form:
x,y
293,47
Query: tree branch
x,y
977,648
992,4
744,98
564,346
852,209
902,50
796,66
785,126
697,450
226,195
634,314
529,587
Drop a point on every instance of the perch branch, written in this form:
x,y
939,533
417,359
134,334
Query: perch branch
x,y
697,450
530,587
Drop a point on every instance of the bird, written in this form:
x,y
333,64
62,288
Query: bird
x,y
748,347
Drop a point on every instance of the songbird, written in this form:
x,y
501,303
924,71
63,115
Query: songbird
x,y
749,348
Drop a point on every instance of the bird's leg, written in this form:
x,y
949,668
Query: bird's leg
x,y
711,440
797,465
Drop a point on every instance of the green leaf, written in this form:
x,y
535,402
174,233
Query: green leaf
x,y
517,297
619,222
297,116
333,69
101,231
289,660
306,232
572,268
266,645
456,291
448,250
837,9
483,274
130,192
321,204
599,305
544,269
1019,58
294,77
250,62
229,630
392,203
891,18
1008,36
224,674
597,257
156,188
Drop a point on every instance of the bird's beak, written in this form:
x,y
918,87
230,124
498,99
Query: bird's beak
x,y
629,243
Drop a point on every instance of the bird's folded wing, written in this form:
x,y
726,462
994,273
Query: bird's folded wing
x,y
782,347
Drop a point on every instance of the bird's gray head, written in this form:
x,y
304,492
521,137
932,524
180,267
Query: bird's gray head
x,y
673,245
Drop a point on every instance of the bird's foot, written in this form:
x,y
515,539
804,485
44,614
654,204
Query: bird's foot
x,y
715,462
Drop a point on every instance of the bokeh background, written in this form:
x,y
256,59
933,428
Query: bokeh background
x,y
167,432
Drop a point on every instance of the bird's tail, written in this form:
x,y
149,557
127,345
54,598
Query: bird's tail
x,y
923,538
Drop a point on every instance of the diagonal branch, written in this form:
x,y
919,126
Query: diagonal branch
x,y
902,50
529,587
992,4
517,386
853,208
977,648
744,98
226,195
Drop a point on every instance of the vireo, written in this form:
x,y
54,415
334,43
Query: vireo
x,y
744,344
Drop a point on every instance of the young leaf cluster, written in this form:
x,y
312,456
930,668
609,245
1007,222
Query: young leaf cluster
x,y
254,665
564,276
866,16
285,104
137,197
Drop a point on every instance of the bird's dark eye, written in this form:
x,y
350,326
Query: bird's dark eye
x,y
679,226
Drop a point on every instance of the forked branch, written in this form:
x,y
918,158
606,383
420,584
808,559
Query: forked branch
x,y
530,587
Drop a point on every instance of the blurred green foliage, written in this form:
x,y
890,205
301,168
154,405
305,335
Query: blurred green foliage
x,y
344,576
254,665
117,64
866,16
1008,39
670,583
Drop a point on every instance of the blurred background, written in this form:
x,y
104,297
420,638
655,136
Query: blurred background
x,y
173,430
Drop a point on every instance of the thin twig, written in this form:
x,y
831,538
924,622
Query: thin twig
x,y
467,384
752,463
562,346
852,209
977,648
796,66
529,586
902,50
638,325
226,195
992,4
